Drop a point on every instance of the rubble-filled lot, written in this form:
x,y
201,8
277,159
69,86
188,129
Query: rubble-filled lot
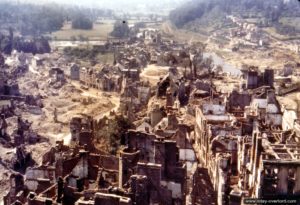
x,y
69,100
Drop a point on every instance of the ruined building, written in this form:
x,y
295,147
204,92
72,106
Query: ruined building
x,y
75,72
241,142
80,174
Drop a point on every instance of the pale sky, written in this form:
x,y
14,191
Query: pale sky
x,y
117,5
104,2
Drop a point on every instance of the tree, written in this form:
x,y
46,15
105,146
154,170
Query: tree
x,y
82,22
115,131
209,64
41,19
6,42
197,60
2,60
121,29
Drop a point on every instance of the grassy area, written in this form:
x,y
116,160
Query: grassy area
x,y
99,32
294,22
181,34
272,31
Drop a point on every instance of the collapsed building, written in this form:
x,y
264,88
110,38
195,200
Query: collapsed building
x,y
22,133
74,72
56,77
103,77
161,168
134,98
80,174
240,140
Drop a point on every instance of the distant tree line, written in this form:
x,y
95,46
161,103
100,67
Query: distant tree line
x,y
38,45
35,45
270,9
31,19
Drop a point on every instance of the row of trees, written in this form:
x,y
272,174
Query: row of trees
x,y
10,42
81,53
32,19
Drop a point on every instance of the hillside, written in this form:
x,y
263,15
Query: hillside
x,y
209,15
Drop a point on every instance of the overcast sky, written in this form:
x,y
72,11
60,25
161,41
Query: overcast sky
x,y
131,6
105,3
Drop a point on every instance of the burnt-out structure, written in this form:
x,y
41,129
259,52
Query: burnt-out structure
x,y
150,156
75,72
148,171
134,98
255,78
240,140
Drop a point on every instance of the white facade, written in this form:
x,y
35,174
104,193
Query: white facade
x,y
288,119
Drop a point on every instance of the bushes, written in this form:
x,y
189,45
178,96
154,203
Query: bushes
x,y
81,53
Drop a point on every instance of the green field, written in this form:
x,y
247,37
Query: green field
x,y
99,32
